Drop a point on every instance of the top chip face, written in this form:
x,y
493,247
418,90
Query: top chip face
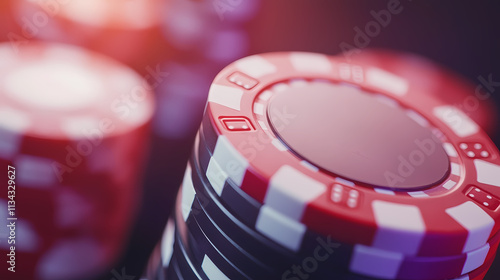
x,y
329,145
55,91
356,132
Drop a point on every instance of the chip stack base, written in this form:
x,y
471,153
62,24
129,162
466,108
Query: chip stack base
x,y
75,150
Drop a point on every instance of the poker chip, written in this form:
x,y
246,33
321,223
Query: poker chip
x,y
313,167
212,32
255,244
240,204
186,269
257,125
207,259
75,126
185,266
201,230
181,100
221,266
431,79
185,253
173,271
154,268
354,257
161,258
134,26
72,96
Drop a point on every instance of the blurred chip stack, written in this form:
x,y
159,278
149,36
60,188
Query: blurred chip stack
x,y
202,37
213,30
129,31
74,129
293,177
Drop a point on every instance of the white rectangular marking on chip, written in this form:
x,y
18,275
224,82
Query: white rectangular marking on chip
x,y
140,115
277,143
280,87
387,81
274,224
418,194
255,66
475,259
262,125
400,227
211,270
188,194
76,127
235,165
308,165
375,262
386,100
456,120
298,82
216,176
344,181
9,143
308,62
35,172
475,220
14,120
258,109
455,169
265,95
450,150
384,191
487,173
167,243
449,184
226,96
291,190
417,118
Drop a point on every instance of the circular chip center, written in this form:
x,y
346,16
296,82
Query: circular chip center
x,y
358,136
54,86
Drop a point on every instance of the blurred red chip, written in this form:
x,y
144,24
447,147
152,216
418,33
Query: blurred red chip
x,y
125,30
74,125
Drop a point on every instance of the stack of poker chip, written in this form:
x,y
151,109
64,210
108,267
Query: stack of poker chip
x,y
74,128
307,166
211,31
101,26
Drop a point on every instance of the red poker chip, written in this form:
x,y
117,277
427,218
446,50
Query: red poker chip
x,y
68,119
474,99
358,258
75,126
480,273
213,252
128,31
7,23
324,144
